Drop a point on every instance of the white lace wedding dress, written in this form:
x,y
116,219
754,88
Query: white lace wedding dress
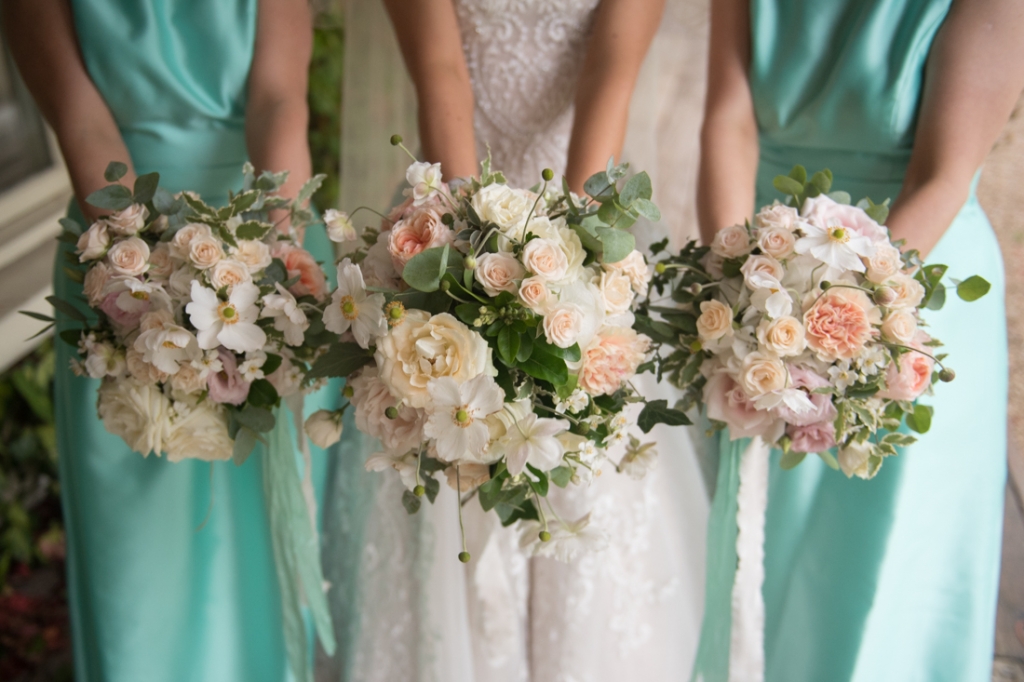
x,y
406,609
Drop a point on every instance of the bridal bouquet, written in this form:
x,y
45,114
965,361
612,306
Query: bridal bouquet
x,y
805,328
487,336
202,319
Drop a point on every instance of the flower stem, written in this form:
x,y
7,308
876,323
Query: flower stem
x,y
464,555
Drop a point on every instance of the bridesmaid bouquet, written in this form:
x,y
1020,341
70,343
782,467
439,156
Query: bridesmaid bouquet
x,y
805,328
201,319
487,336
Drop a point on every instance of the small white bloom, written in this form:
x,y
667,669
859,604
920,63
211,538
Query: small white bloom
x,y
639,459
324,428
230,323
167,346
288,316
588,452
618,422
424,180
136,296
339,226
872,360
575,403
532,440
616,438
841,375
568,540
456,415
209,363
351,307
838,247
404,463
104,360
252,368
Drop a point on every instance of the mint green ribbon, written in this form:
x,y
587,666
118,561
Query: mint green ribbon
x,y
296,550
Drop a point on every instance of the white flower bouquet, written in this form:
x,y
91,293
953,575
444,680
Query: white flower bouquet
x,y
487,335
805,328
202,318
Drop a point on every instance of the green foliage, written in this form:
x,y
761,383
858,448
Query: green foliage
x,y
325,76
973,288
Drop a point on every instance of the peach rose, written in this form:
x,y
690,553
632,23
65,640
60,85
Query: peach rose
x,y
534,294
635,267
498,272
96,279
187,380
415,234
909,292
129,257
611,358
899,326
911,378
777,242
300,263
715,320
761,265
94,242
761,373
129,221
161,263
839,324
562,324
182,239
777,215
883,263
616,290
204,252
726,402
253,253
142,370
228,273
824,212
731,242
545,259
783,336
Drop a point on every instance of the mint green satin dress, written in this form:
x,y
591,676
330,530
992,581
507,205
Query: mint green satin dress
x,y
156,595
893,579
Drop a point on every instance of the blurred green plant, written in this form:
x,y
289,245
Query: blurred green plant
x,y
325,74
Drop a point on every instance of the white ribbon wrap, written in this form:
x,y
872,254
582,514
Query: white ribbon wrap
x,y
746,650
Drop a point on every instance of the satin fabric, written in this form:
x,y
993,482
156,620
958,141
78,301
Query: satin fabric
x,y
893,579
170,570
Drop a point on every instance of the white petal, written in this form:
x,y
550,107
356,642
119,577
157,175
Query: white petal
x,y
444,394
244,295
242,337
208,336
779,304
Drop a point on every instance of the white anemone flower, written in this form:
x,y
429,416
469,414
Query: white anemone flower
x,y
793,398
136,296
339,226
351,307
769,295
230,323
405,464
457,412
424,180
568,541
838,247
531,440
167,347
288,316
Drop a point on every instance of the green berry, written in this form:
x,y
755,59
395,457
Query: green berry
x,y
947,375
391,412
548,175
545,536
396,140
660,268
419,491
464,557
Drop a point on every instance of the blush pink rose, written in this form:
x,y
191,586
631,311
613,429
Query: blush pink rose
x,y
122,318
610,359
396,214
824,410
914,375
824,212
299,262
813,437
416,233
839,324
228,386
726,402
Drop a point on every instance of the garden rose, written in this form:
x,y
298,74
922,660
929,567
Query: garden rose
x,y
201,434
761,265
254,254
424,348
616,290
777,242
635,268
129,257
545,259
94,242
731,242
715,320
777,216
611,358
505,207
371,398
911,379
824,411
188,379
883,263
161,262
909,292
137,412
819,437
125,319
204,252
469,477
899,326
839,324
300,263
128,221
727,402
562,324
534,294
228,273
96,278
182,241
324,428
761,373
141,370
498,272
415,234
783,336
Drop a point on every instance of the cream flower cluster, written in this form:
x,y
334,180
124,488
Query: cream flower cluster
x,y
819,315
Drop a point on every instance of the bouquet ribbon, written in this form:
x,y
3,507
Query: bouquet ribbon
x,y
295,543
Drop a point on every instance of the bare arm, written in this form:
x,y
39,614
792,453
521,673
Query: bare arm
x,y
975,74
41,35
620,37
428,34
729,147
277,115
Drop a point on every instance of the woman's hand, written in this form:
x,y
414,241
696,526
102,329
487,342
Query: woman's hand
x,y
729,145
42,38
975,74
619,40
428,34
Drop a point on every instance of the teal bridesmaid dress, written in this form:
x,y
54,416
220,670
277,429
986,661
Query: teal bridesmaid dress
x,y
170,567
893,579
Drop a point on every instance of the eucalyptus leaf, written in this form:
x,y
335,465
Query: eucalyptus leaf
x,y
262,394
421,272
258,419
145,188
973,288
920,420
245,442
787,185
658,412
115,171
165,203
790,459
822,181
560,476
598,184
829,459
637,187
111,198
798,173
647,209
616,244
937,298
72,226
340,360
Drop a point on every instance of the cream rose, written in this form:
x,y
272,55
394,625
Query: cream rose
x,y
777,216
562,324
545,259
610,359
205,252
617,292
188,379
94,242
138,413
161,262
855,460
253,253
731,242
228,273
883,263
141,370
129,221
715,320
505,207
424,348
899,326
761,373
909,292
763,266
635,268
182,239
783,336
498,272
534,293
777,242
129,257
94,286
324,428
201,434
